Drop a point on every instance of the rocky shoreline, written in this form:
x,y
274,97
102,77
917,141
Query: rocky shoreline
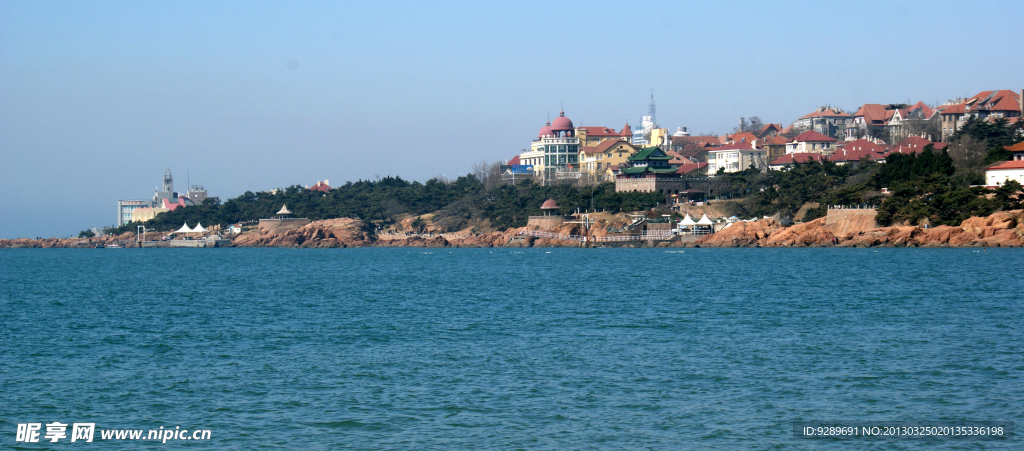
x,y
1001,229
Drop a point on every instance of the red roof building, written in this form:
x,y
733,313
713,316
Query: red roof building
x,y
321,186
811,142
791,159
1001,104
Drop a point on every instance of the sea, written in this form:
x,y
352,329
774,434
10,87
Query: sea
x,y
507,349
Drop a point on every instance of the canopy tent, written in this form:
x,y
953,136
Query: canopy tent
x,y
184,229
705,221
687,221
199,228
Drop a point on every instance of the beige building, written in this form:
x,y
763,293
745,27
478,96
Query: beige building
x,y
811,142
596,161
986,104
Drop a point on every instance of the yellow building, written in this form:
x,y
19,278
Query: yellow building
x,y
146,213
595,161
659,136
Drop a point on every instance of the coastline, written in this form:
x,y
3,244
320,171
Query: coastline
x,y
1000,229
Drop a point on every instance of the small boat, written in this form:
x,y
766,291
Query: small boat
x,y
99,246
115,246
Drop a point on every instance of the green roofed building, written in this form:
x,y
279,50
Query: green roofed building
x,y
649,171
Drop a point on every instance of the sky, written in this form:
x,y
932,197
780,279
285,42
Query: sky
x,y
98,98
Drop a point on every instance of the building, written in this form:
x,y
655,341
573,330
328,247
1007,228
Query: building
x,y
125,208
811,142
649,171
996,104
826,121
791,159
868,122
915,144
737,157
321,186
775,145
999,173
555,149
164,199
854,151
595,161
592,136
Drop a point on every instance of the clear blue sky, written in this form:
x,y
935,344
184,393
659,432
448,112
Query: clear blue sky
x,y
97,98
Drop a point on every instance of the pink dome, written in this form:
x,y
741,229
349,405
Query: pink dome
x,y
549,204
545,130
561,123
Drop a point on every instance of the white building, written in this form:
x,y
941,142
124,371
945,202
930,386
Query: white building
x,y
554,150
999,174
811,142
736,157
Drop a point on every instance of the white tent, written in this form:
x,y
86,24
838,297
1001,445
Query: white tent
x,y
705,221
199,228
687,221
184,229
284,210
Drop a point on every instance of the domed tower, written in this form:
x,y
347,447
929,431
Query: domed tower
x,y
545,130
562,126
555,150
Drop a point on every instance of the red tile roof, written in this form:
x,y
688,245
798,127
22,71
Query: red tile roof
x,y
736,146
827,112
863,145
320,186
796,158
690,167
915,144
1015,164
514,161
1019,147
812,136
607,145
599,131
848,155
743,136
699,140
873,113
776,140
626,131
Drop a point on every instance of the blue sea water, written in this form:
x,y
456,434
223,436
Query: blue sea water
x,y
535,349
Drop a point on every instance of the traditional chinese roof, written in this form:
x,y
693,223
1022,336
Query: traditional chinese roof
x,y
650,153
284,210
812,136
647,169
